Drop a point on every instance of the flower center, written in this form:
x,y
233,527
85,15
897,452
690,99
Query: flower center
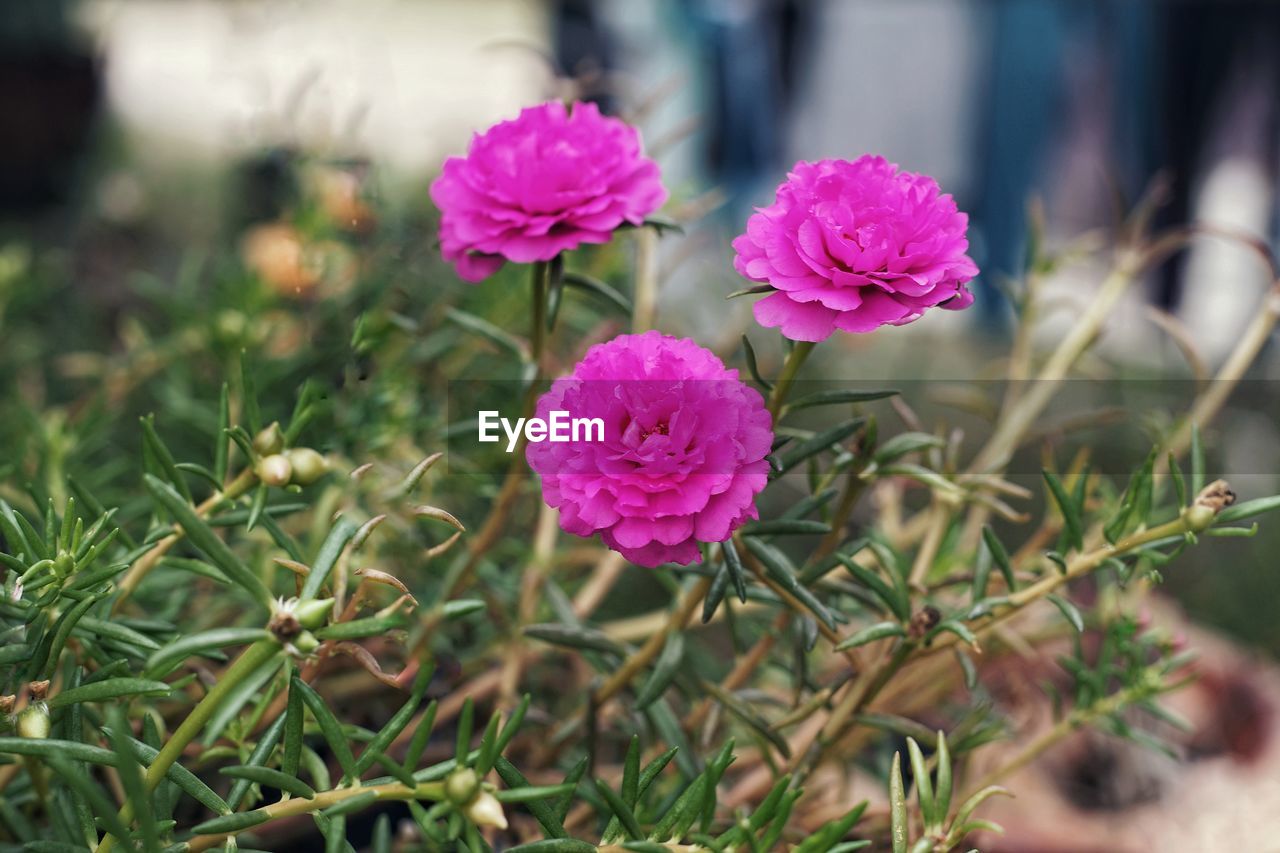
x,y
659,428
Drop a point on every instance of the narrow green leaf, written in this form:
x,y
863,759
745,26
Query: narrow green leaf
x,y
258,758
171,656
1179,484
951,626
80,782
893,600
835,398
232,823
1071,523
271,778
753,366
629,823
399,720
747,714
339,535
904,443
967,809
46,658
779,568
112,688
203,537
1248,509
664,670
1069,611
466,718
792,456
785,527
130,774
897,806
1233,532
258,504
487,330
329,725
164,459
1197,461
733,562
942,793
715,593
220,446
421,734
555,845
871,633
597,287
576,774
371,626
294,725
574,636
924,786
1000,556
541,810
487,750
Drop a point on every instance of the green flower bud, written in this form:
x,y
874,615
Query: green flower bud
x,y
270,440
461,786
64,564
33,722
308,465
306,642
274,470
1199,517
313,614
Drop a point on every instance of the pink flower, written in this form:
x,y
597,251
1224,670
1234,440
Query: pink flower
x,y
855,246
540,184
682,456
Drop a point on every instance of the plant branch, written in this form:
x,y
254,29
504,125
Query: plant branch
x,y
142,566
640,659
249,661
297,806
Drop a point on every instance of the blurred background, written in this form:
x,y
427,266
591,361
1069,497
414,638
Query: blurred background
x,y
143,138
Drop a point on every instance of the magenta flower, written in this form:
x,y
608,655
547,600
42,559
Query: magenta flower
x,y
682,456
540,184
855,246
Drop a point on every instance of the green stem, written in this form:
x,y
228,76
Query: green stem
x,y
1064,727
640,658
297,805
795,360
1021,415
538,335
249,661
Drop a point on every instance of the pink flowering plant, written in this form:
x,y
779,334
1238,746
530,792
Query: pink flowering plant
x,y
853,246
683,453
751,607
546,182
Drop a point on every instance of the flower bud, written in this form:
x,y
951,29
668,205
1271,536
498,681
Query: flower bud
x,y
1199,517
308,465
33,722
306,643
313,614
270,440
274,470
485,810
461,786
64,564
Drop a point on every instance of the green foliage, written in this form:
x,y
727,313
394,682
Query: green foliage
x,y
241,584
